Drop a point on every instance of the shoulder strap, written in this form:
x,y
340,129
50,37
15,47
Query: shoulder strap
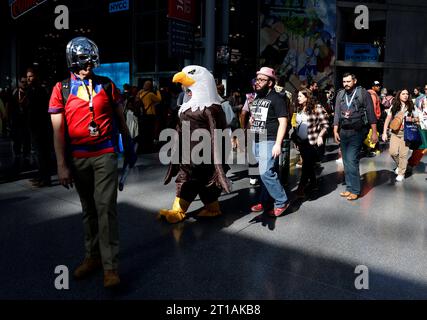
x,y
340,95
108,88
359,94
106,85
65,90
142,101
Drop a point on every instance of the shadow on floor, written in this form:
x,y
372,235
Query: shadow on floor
x,y
190,260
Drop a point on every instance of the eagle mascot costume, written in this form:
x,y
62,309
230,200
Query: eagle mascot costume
x,y
202,111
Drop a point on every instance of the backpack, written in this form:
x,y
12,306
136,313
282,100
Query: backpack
x,y
376,102
387,102
106,85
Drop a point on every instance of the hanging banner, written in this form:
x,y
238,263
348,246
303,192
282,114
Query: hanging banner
x,y
184,10
20,7
297,39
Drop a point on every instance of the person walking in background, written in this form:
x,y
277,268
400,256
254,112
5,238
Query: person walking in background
x,y
19,123
309,135
375,91
399,149
419,153
421,95
244,117
416,93
387,98
236,104
132,125
40,127
354,114
146,101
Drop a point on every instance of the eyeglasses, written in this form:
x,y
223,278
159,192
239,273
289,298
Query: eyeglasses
x,y
261,80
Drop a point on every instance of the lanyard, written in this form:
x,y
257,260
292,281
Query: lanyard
x,y
351,100
88,89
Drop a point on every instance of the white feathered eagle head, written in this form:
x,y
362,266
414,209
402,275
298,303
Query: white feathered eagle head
x,y
202,85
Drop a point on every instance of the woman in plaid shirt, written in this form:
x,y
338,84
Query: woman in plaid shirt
x,y
312,126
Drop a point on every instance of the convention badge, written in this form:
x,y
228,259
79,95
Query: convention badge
x,y
346,114
93,129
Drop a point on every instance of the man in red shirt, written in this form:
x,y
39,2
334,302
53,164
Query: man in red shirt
x,y
84,138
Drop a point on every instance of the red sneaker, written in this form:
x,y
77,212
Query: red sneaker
x,y
257,208
277,212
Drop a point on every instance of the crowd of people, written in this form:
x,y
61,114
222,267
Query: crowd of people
x,y
80,118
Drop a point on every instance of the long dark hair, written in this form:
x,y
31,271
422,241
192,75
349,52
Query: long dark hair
x,y
310,104
397,104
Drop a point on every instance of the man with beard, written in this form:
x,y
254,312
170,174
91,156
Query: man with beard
x,y
268,122
376,101
354,114
314,88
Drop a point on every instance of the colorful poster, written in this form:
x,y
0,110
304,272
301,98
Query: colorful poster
x,y
297,39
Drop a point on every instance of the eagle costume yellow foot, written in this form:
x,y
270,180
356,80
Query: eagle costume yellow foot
x,y
178,211
210,210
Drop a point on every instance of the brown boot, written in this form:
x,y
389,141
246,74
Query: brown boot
x,y
111,278
88,266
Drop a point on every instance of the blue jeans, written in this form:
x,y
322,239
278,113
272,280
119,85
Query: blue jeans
x,y
271,188
351,144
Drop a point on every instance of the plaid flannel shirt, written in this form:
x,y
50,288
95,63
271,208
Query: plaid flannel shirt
x,y
317,121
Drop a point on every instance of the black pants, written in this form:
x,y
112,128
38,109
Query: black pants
x,y
309,156
147,127
21,137
42,144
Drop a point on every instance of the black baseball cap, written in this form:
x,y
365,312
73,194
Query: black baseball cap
x,y
376,84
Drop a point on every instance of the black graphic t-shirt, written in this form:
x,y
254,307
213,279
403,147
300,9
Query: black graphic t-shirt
x,y
266,111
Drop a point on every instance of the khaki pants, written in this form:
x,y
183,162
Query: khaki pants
x,y
399,152
96,182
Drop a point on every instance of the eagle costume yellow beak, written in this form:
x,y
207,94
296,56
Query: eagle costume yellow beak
x,y
182,78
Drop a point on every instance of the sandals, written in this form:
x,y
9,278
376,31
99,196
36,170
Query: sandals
x,y
352,197
349,196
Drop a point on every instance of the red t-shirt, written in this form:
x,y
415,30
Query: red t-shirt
x,y
78,117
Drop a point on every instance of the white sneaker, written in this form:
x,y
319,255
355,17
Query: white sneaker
x,y
396,171
400,178
253,181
